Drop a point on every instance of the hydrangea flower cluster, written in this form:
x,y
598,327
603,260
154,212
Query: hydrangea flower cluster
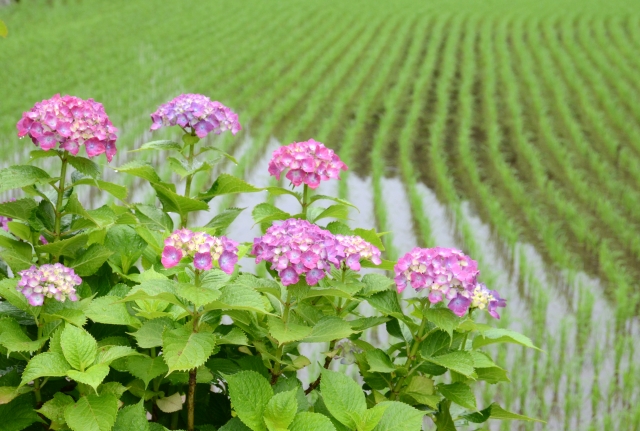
x,y
72,122
51,281
346,351
196,114
203,248
296,247
352,249
484,298
446,272
308,162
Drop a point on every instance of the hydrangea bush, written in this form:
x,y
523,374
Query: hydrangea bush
x,y
127,317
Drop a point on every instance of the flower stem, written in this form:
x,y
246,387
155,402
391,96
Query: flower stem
x,y
191,393
305,204
275,373
187,187
36,382
60,190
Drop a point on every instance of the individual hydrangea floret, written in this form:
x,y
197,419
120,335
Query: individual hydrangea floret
x,y
483,298
446,272
352,249
296,247
204,249
71,122
308,162
197,114
50,281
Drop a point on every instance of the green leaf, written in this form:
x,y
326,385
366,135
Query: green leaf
x,y
132,418
459,393
16,261
9,393
308,421
66,247
150,334
238,297
72,315
266,213
250,393
16,177
154,217
14,339
343,397
91,260
116,190
171,403
371,236
222,221
363,323
421,389
498,412
329,328
18,414
126,244
379,362
184,349
228,184
334,211
84,166
159,145
435,343
21,231
108,309
375,283
48,364
198,295
146,368
385,302
458,361
55,407
280,410
331,198
443,318
92,413
492,375
372,417
498,335
234,336
289,332
108,354
20,209
79,347
278,191
140,169
175,203
235,424
9,293
93,376
444,421
339,228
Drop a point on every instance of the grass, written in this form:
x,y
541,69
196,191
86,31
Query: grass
x,y
527,112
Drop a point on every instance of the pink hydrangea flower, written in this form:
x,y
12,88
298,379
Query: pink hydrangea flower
x,y
445,272
352,249
308,162
72,123
204,249
197,114
483,298
296,247
49,281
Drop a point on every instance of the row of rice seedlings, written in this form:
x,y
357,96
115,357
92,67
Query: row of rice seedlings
x,y
613,31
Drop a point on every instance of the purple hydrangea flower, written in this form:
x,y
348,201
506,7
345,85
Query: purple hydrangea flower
x,y
446,272
71,122
296,247
483,298
308,162
353,249
197,114
203,248
49,281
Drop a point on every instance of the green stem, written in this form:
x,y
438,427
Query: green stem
x,y
60,190
175,416
36,382
191,393
187,187
411,356
305,204
275,373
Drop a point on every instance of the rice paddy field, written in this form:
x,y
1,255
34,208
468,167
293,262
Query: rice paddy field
x,y
507,128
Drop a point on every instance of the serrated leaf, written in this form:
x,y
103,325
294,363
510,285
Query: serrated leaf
x,y
238,297
93,376
235,424
175,203
162,144
315,198
363,323
250,393
278,191
228,184
385,302
444,421
171,403
458,361
435,343
91,260
146,368
498,412
343,397
371,236
72,315
289,332
154,217
108,309
234,336
222,221
54,408
421,389
329,328
126,244
16,177
379,362
492,375
371,418
280,410
375,283
16,261
20,209
92,413
140,169
266,213
499,335
308,421
108,354
8,292
9,393
334,211
48,364
443,318
84,166
14,339
459,393
184,349
150,333
79,347
18,414
198,295
132,418
115,190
